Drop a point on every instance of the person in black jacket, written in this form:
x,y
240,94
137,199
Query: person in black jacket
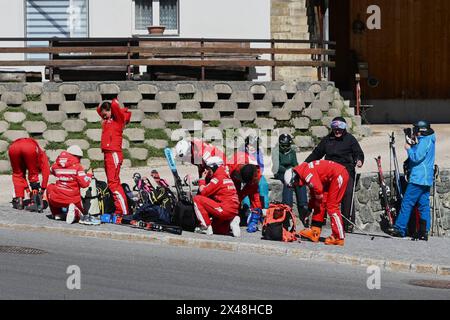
x,y
341,147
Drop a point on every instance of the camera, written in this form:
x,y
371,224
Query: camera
x,y
410,137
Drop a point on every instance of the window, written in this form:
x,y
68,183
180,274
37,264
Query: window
x,y
156,12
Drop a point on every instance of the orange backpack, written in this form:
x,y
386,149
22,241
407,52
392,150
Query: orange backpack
x,y
279,223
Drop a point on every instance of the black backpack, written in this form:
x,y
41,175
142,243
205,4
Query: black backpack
x,y
131,200
184,216
105,198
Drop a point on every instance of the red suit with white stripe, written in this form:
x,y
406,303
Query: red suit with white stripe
x,y
218,199
111,145
327,182
26,154
70,177
235,164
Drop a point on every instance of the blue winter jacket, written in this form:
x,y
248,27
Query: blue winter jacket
x,y
421,161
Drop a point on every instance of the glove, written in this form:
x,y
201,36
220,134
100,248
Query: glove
x,y
195,182
253,220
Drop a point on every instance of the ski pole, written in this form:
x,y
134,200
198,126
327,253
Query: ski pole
x,y
371,236
353,193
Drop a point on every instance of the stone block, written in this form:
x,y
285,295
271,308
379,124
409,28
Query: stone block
x,y
334,113
241,97
3,145
301,123
72,107
170,116
69,89
13,98
3,106
280,114
304,142
312,113
326,96
338,104
191,124
55,135
14,117
168,97
188,106
3,126
43,143
86,163
153,124
319,131
52,98
147,89
326,121
35,126
138,153
32,89
222,88
13,135
210,115
74,125
132,97
54,116
35,107
229,124
225,106
357,120
156,143
289,87
321,105
207,96
125,144
5,166
126,163
83,144
261,105
245,115
258,89
90,116
305,96
137,115
135,134
265,124
277,96
185,88
109,89
150,106
276,190
89,97
94,134
295,105
315,88
95,154
53,154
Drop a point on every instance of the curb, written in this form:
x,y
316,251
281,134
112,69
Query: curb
x,y
296,253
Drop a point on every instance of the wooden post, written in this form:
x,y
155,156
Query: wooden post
x,y
50,69
202,55
358,94
128,58
272,58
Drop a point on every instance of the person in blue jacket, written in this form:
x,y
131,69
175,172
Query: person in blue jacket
x,y
421,158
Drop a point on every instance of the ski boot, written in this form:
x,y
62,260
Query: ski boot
x,y
304,214
312,234
204,230
17,203
235,228
253,220
332,241
394,232
422,234
36,203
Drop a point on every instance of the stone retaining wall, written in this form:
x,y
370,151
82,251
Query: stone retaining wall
x,y
62,114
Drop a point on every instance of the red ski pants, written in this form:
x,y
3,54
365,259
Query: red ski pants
x,y
55,203
113,162
331,204
23,157
205,208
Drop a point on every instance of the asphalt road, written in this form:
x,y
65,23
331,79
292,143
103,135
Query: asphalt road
x,y
131,270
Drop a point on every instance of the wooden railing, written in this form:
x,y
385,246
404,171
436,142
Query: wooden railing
x,y
146,51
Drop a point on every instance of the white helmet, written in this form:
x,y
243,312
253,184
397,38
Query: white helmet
x,y
289,177
214,162
75,150
183,149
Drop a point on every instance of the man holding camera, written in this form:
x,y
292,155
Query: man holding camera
x,y
421,157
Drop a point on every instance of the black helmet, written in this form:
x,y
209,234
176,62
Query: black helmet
x,y
423,127
285,141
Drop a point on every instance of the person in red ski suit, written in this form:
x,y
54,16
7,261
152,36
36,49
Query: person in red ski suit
x,y
197,152
217,199
70,177
114,121
327,182
26,154
245,173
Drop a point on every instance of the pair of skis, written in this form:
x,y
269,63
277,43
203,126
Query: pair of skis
x,y
183,196
149,226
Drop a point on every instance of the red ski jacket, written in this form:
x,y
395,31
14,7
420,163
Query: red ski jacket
x,y
70,177
112,129
221,189
201,151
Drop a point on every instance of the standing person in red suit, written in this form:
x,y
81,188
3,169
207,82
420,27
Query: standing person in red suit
x,y
64,195
246,174
26,155
197,153
327,182
218,199
114,121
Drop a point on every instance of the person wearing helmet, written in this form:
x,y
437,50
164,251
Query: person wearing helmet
x,y
196,152
27,155
113,124
217,198
342,147
421,160
327,182
284,157
252,147
64,195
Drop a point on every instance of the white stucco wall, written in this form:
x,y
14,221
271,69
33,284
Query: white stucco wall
x,y
110,18
12,24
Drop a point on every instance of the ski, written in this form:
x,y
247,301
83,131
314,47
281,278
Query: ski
x,y
397,181
182,195
384,194
152,226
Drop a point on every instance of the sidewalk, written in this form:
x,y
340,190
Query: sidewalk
x,y
432,257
